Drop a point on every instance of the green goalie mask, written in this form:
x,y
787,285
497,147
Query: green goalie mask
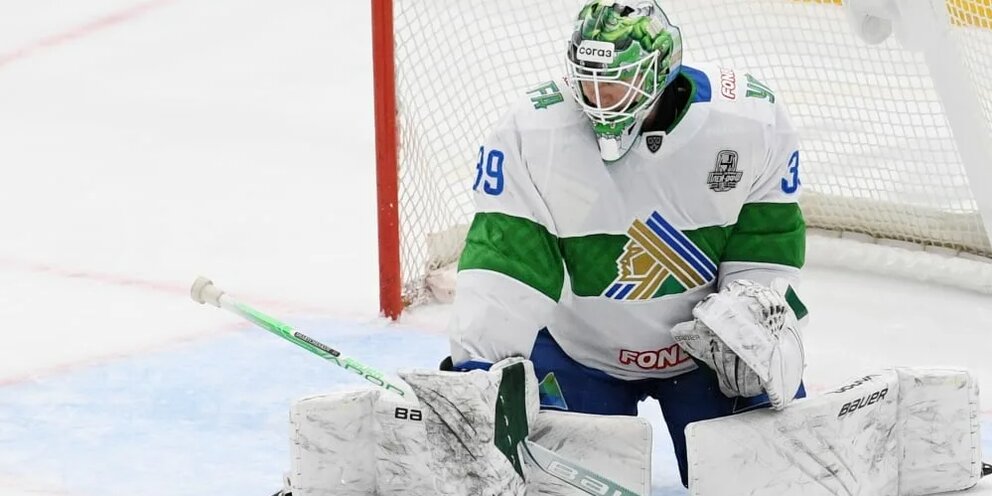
x,y
621,57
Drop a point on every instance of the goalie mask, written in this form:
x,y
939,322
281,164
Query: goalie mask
x,y
622,54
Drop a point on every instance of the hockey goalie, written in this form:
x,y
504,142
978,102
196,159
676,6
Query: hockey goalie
x,y
637,232
637,235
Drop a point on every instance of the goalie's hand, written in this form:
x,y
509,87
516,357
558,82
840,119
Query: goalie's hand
x,y
749,335
735,377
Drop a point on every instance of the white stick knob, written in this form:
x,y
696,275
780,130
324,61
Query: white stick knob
x,y
204,291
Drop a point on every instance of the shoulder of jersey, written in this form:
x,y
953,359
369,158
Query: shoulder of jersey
x,y
547,105
733,92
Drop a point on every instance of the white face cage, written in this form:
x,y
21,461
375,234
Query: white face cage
x,y
634,100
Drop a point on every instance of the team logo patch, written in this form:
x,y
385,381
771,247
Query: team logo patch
x,y
655,252
726,176
653,141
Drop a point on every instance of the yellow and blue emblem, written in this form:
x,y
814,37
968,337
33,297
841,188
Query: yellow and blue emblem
x,y
656,251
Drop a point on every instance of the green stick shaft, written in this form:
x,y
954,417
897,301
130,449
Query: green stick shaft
x,y
204,291
287,332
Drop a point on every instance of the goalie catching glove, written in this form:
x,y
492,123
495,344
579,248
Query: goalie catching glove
x,y
750,336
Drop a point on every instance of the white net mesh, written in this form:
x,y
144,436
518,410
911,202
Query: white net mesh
x,y
879,156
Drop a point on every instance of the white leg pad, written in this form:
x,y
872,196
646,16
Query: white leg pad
x,y
617,447
358,443
460,416
939,430
904,432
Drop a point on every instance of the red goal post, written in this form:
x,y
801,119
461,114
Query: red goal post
x,y
386,153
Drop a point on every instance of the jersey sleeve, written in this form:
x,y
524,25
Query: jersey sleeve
x,y
510,274
768,241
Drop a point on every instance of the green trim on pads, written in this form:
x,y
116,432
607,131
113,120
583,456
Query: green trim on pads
x,y
511,414
795,303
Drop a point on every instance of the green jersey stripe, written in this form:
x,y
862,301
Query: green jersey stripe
x,y
768,233
516,247
526,251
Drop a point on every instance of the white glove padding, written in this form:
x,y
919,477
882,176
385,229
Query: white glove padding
x,y
749,335
474,420
736,378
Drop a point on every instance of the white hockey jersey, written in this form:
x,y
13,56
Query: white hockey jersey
x,y
609,256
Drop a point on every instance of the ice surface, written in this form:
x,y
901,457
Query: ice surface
x,y
234,139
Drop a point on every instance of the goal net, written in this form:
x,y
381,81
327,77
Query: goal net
x,y
879,155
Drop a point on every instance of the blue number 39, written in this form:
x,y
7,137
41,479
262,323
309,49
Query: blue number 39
x,y
490,166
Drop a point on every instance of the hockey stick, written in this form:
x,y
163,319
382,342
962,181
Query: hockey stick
x,y
570,473
204,291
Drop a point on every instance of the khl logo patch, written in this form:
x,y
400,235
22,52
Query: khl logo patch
x,y
653,141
